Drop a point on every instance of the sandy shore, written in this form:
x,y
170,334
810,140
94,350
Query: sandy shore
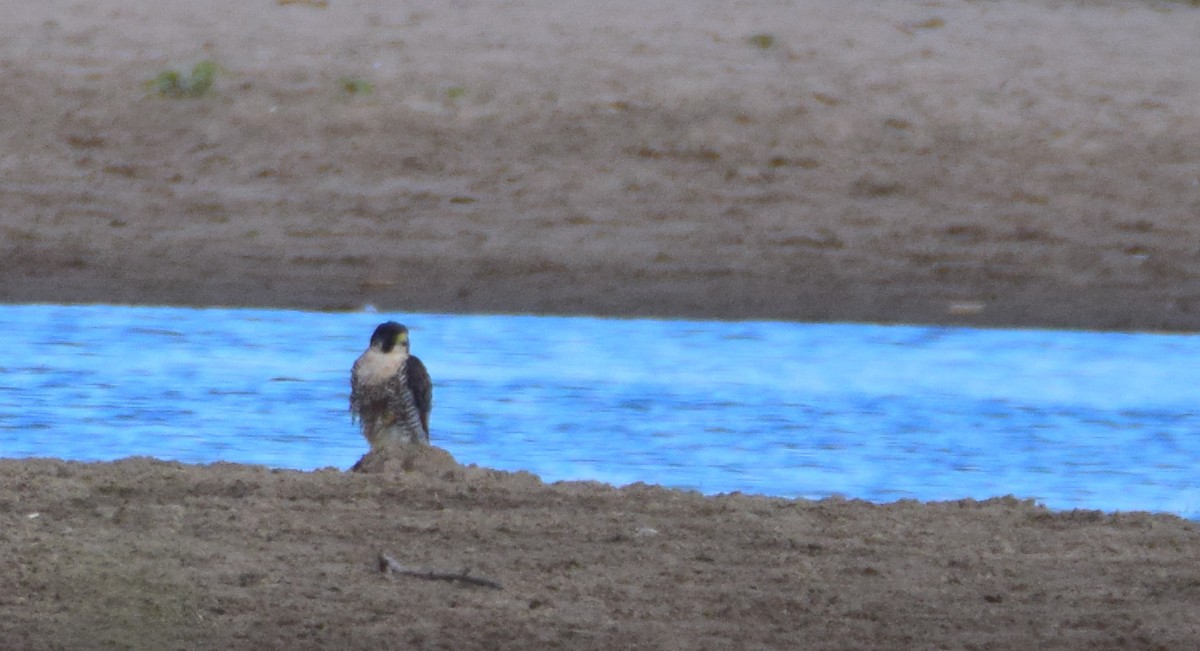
x,y
146,554
1014,163
1029,163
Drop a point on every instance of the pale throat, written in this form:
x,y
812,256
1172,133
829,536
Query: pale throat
x,y
378,366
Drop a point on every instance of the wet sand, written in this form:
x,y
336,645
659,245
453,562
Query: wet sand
x,y
1025,163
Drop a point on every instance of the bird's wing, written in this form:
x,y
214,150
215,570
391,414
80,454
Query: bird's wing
x,y
422,389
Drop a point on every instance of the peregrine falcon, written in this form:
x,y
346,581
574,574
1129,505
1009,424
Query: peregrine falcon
x,y
390,391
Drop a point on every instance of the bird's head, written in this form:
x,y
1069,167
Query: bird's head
x,y
388,336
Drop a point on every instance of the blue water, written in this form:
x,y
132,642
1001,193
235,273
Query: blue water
x,y
1073,419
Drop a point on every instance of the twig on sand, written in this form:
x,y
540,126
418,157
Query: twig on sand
x,y
388,565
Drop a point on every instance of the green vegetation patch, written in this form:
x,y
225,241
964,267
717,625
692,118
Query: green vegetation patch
x,y
762,41
173,84
356,86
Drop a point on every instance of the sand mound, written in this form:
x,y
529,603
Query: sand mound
x,y
147,554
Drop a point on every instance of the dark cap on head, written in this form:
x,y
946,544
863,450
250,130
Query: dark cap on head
x,y
388,334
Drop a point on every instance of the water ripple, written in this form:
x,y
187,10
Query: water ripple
x,y
1074,419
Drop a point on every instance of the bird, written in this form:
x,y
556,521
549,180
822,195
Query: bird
x,y
391,394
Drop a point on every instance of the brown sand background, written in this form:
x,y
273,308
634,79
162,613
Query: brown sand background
x,y
1009,162
1017,163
